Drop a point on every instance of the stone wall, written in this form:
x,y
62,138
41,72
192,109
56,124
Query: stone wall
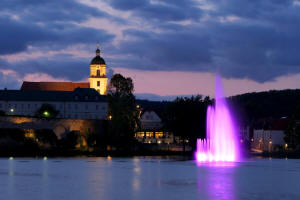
x,y
59,126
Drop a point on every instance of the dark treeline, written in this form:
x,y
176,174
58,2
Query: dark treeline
x,y
271,104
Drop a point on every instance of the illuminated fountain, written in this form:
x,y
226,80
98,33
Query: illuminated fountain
x,y
221,137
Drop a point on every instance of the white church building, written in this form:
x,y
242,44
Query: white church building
x,y
78,100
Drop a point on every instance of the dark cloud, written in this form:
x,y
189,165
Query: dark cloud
x,y
168,51
16,36
254,39
163,10
8,81
258,40
54,10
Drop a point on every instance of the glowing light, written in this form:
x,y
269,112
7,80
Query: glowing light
x,y
221,143
11,110
109,117
46,114
45,158
11,158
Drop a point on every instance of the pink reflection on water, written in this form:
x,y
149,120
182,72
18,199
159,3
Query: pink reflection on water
x,y
221,143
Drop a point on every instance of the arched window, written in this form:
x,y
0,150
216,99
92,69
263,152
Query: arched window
x,y
98,72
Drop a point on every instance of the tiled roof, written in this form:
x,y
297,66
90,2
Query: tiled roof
x,y
54,86
78,95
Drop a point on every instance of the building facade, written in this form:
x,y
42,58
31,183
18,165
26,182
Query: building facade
x,y
268,135
151,130
82,103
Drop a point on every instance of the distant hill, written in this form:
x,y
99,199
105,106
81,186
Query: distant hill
x,y
269,104
155,97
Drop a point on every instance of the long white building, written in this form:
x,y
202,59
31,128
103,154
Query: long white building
x,y
82,103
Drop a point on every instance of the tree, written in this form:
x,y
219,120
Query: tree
x,y
293,131
187,117
47,111
2,113
123,113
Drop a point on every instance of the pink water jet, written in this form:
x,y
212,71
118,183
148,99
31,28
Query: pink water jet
x,y
221,143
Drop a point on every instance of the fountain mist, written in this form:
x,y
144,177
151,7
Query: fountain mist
x,y
221,137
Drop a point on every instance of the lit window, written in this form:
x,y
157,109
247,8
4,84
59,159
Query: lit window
x,y
159,134
140,134
149,134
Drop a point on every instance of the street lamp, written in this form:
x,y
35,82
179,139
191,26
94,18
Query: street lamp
x,y
46,114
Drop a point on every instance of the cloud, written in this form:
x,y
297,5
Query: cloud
x,y
255,40
17,36
169,10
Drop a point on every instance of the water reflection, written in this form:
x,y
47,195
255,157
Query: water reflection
x,y
216,181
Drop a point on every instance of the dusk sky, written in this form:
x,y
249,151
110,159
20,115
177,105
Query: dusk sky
x,y
168,47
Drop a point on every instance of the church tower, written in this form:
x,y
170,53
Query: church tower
x,y
98,78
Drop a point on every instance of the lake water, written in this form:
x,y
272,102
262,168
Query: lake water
x,y
147,178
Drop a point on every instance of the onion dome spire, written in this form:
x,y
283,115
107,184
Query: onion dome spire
x,y
98,60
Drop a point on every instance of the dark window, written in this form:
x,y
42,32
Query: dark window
x,y
96,107
98,72
98,83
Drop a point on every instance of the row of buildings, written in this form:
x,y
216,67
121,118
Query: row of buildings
x,y
78,100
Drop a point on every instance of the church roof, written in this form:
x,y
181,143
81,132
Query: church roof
x,y
54,86
98,60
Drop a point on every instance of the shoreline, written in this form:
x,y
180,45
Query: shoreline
x,y
131,154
